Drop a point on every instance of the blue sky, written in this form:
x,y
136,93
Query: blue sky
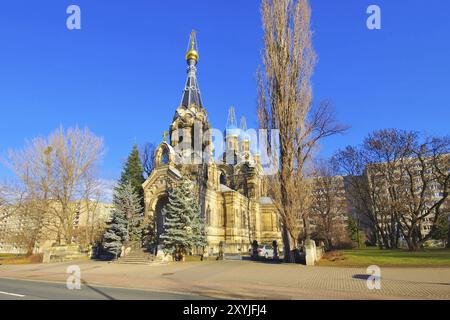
x,y
122,74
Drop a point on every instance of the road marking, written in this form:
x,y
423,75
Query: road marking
x,y
12,294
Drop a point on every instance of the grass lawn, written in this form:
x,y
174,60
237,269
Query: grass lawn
x,y
387,258
6,258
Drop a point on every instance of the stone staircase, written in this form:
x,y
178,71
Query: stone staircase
x,y
138,256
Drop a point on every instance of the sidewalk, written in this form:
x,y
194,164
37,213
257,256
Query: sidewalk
x,y
250,280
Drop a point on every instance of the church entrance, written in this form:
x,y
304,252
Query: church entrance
x,y
160,218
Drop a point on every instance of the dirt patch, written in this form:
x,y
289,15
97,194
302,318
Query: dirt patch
x,y
33,259
333,256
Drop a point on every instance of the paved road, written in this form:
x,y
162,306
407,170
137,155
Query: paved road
x,y
235,280
12,289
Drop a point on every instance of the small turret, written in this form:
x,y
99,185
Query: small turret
x,y
244,138
232,131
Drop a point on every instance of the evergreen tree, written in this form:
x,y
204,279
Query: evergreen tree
x,y
198,225
184,229
133,173
131,205
126,221
117,228
353,230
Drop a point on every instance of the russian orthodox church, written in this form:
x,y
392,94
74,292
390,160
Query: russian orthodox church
x,y
232,192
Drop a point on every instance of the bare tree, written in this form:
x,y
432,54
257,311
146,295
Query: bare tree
x,y
91,222
422,190
13,204
329,206
363,192
400,182
53,171
285,104
12,198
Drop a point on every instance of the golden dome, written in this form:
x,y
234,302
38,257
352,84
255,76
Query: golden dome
x,y
192,54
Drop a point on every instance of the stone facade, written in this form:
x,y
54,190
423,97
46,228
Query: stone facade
x,y
232,192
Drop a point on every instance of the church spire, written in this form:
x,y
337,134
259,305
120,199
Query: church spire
x,y
244,135
243,124
231,122
191,93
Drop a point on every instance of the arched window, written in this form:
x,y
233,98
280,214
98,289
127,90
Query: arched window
x,y
165,156
223,179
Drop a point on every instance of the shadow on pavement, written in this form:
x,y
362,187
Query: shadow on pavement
x,y
97,290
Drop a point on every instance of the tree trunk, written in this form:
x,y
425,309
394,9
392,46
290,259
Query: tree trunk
x,y
448,235
306,227
289,246
30,248
329,243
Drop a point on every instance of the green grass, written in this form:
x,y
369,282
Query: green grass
x,y
387,258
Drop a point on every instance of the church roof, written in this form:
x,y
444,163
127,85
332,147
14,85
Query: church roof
x,y
191,92
224,188
265,200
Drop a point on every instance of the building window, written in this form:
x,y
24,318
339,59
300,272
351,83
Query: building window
x,y
165,156
223,179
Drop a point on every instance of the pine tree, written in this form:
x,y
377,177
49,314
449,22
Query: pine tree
x,y
198,225
133,173
184,229
117,228
126,221
131,205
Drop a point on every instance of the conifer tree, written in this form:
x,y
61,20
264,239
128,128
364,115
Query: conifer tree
x,y
126,222
198,225
133,173
131,205
117,228
184,229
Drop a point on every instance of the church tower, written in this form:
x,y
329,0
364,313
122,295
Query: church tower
x,y
244,140
190,122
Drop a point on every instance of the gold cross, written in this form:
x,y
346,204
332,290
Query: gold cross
x,y
165,136
193,40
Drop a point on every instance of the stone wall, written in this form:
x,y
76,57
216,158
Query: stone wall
x,y
313,253
64,253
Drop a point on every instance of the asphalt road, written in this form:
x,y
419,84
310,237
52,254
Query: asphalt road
x,y
12,289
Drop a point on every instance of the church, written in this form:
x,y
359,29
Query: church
x,y
231,187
